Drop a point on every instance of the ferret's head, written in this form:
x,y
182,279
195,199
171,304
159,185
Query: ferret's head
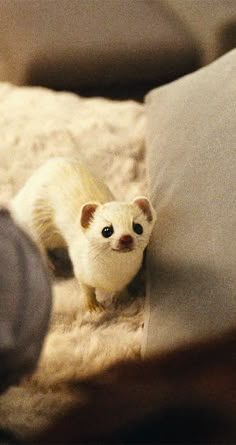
x,y
118,226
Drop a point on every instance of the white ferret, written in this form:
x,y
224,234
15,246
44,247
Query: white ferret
x,y
64,205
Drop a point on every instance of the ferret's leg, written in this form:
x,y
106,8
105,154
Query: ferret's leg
x,y
41,223
90,297
121,298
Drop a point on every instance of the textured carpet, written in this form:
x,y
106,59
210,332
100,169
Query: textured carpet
x,y
36,124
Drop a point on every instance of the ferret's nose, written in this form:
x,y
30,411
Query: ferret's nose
x,y
126,241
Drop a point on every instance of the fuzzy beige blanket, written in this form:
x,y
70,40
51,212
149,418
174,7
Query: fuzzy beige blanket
x,y
36,124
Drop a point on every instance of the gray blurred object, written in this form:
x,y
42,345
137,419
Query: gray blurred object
x,y
25,303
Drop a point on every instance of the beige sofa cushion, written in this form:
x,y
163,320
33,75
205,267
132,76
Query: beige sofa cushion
x,y
100,44
192,175
211,22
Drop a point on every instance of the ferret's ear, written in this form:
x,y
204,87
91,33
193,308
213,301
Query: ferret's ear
x,y
87,213
144,204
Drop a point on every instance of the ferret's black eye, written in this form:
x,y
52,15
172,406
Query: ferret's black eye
x,y
107,231
137,228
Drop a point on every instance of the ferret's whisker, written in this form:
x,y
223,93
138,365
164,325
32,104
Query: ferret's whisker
x,y
96,251
100,255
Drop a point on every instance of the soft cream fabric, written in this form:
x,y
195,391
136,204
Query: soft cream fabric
x,y
36,124
192,173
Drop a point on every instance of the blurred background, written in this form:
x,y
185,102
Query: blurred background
x,y
112,48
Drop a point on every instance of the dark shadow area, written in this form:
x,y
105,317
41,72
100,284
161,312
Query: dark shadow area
x,y
63,268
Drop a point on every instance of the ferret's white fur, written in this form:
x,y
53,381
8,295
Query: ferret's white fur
x,y
49,208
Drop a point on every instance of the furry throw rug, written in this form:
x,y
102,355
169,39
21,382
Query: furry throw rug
x,y
36,124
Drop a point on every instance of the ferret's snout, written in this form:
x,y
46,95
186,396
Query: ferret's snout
x,y
126,241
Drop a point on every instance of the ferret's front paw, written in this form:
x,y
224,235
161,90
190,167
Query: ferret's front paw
x,y
95,306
